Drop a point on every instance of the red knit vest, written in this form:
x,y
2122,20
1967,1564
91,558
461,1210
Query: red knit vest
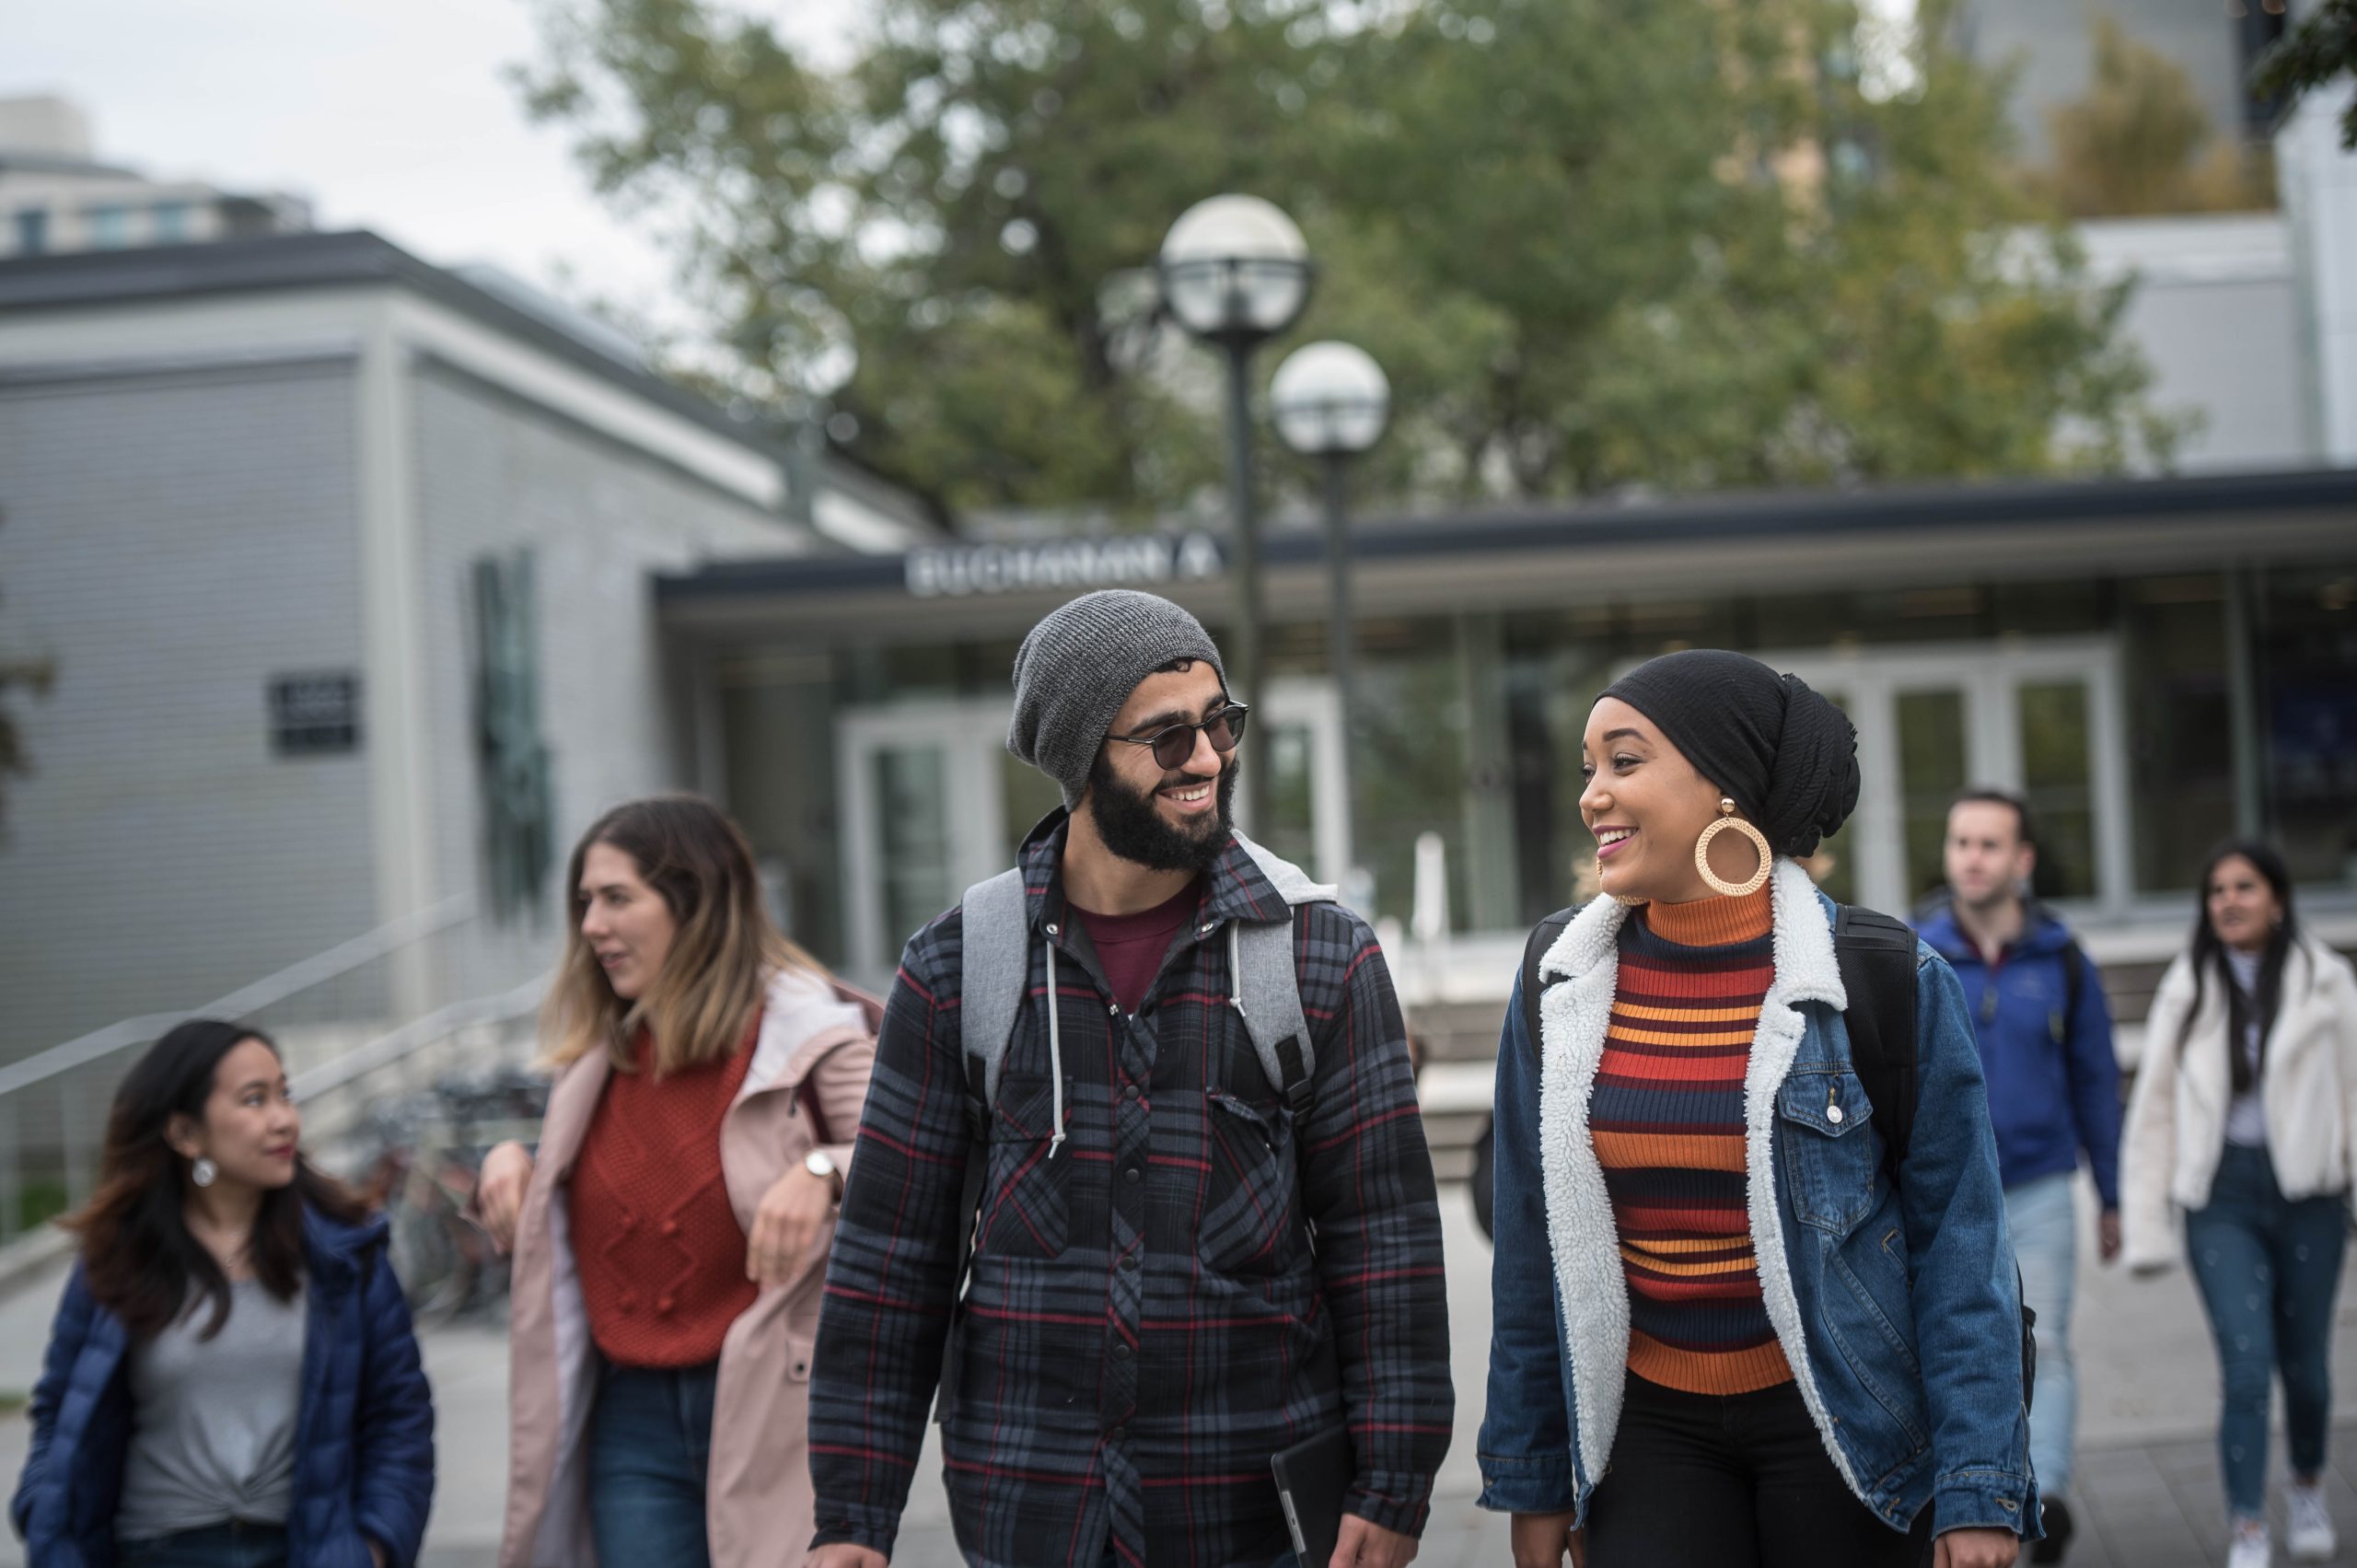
x,y
661,1255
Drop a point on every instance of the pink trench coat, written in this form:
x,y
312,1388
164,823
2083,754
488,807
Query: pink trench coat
x,y
758,1492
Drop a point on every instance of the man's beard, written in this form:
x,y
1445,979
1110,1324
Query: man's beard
x,y
1128,825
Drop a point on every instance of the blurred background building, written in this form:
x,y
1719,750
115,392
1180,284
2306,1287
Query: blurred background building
x,y
55,194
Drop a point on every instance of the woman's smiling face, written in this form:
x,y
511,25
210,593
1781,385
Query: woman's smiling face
x,y
1647,805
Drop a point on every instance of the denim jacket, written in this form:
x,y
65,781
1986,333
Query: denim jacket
x,y
1897,1308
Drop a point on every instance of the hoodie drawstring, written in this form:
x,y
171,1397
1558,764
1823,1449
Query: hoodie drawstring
x,y
1055,1055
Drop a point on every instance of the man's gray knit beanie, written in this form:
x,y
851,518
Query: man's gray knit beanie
x,y
1079,665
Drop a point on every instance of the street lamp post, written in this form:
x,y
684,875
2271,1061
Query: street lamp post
x,y
1330,400
1234,272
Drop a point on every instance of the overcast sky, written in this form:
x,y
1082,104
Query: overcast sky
x,y
392,115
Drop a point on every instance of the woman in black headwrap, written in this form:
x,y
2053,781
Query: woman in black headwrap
x,y
1743,1312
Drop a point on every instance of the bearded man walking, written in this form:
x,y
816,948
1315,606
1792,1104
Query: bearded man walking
x,y
1157,1083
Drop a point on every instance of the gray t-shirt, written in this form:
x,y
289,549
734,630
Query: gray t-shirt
x,y
213,1422
2247,1115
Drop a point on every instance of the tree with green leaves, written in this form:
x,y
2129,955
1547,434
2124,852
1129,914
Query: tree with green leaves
x,y
1680,245
2320,49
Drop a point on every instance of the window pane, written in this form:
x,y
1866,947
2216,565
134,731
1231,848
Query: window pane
x,y
912,791
109,226
1930,771
2057,781
1029,795
1285,752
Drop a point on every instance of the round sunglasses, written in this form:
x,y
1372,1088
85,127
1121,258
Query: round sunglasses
x,y
1221,727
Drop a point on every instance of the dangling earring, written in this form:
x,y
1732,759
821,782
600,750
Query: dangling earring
x,y
203,1171
1727,819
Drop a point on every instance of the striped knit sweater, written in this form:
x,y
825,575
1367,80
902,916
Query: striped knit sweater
x,y
1668,1117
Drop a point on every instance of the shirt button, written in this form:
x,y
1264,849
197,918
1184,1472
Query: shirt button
x,y
663,1306
1120,1349
1129,1261
1053,930
1132,1174
670,1227
1115,1009
1130,1089
1119,1435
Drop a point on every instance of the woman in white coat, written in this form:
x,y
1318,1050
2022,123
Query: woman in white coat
x,y
2242,1116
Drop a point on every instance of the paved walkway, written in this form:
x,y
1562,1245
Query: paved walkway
x,y
2148,1490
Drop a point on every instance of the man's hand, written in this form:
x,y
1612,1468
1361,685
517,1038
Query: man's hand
x,y
2108,1233
789,1219
1540,1540
499,1191
1976,1549
1364,1545
843,1555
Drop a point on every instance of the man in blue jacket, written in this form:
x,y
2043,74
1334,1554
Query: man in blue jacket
x,y
2045,1035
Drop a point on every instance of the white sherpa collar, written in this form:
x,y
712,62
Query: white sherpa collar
x,y
1573,1018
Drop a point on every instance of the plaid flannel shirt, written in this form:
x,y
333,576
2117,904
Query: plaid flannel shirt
x,y
1147,1323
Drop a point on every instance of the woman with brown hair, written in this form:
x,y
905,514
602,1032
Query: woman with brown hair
x,y
671,1235
232,1379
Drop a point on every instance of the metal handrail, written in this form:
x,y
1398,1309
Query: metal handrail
x,y
339,959
416,1035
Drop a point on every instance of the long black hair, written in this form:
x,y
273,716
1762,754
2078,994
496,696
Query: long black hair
x,y
2209,955
138,1258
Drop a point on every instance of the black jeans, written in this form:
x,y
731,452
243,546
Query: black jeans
x,y
1741,1480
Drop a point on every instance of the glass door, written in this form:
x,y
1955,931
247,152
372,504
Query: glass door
x,y
923,802
2041,719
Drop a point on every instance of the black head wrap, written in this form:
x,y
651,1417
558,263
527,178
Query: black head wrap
x,y
1785,755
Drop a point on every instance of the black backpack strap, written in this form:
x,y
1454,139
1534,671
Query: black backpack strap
x,y
1542,937
1877,955
2074,987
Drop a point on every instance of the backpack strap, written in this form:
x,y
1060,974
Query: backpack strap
x,y
2074,987
1268,982
994,963
1534,952
1877,956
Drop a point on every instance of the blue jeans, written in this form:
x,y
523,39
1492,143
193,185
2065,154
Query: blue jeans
x,y
2269,1270
2046,1244
650,1449
234,1545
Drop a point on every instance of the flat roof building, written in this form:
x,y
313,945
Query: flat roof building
x,y
342,561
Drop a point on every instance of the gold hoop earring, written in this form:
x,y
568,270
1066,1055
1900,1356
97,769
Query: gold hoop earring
x,y
1630,900
1727,819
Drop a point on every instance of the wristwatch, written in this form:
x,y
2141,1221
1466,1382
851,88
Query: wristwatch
x,y
821,1165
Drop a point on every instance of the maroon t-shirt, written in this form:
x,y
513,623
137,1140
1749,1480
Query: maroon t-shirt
x,y
1130,947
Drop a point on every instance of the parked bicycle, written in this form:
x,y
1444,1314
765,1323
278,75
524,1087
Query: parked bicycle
x,y
429,1149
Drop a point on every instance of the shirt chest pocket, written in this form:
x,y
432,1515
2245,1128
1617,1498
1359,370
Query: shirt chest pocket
x,y
1830,1156
1026,1206
1248,1198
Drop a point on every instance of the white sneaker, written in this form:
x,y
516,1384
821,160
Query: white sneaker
x,y
2251,1548
2311,1534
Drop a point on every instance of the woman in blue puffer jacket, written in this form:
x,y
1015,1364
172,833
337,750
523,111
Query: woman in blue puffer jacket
x,y
232,1377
